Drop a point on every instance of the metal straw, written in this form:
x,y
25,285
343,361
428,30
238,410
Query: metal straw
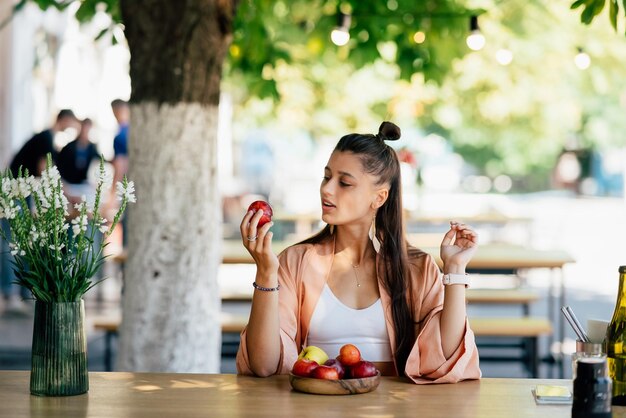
x,y
574,323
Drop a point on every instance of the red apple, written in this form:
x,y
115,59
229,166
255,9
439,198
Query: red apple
x,y
325,372
363,369
333,362
304,367
349,355
267,211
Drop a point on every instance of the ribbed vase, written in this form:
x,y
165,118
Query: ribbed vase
x,y
59,355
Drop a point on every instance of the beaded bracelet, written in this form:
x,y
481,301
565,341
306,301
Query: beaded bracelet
x,y
265,289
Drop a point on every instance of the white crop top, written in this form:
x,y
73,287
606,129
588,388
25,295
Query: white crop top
x,y
334,324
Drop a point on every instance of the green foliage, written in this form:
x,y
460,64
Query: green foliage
x,y
54,253
592,8
268,33
85,12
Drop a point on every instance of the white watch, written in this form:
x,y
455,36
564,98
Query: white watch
x,y
452,278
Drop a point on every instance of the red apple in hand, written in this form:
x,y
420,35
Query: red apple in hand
x,y
337,365
304,367
267,211
349,355
363,369
325,372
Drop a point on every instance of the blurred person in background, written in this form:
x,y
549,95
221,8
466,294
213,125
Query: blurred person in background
x,y
75,158
32,157
121,111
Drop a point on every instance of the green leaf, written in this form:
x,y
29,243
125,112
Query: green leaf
x,y
587,15
613,8
102,33
598,7
577,4
19,6
86,11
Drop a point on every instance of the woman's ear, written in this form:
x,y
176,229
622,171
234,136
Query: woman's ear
x,y
380,198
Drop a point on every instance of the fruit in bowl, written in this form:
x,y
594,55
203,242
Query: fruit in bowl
x,y
304,367
333,387
314,353
325,372
267,211
363,369
333,362
331,377
349,355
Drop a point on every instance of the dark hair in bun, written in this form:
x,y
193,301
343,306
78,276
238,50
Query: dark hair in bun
x,y
380,160
389,131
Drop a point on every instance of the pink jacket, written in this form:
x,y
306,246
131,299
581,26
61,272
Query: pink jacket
x,y
304,269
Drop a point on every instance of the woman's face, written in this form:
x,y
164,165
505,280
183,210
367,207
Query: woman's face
x,y
348,193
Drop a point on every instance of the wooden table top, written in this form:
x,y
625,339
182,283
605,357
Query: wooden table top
x,y
488,257
118,394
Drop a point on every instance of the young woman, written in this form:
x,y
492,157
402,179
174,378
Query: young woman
x,y
358,281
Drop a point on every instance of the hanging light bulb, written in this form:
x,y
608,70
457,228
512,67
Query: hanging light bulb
x,y
419,37
341,34
582,59
504,56
475,40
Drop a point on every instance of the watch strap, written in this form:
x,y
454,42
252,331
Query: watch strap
x,y
452,278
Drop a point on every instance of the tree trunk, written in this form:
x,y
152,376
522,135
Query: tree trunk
x,y
171,304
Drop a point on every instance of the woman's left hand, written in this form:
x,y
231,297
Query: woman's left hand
x,y
458,247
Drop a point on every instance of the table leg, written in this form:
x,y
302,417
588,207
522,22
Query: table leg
x,y
533,356
561,324
551,316
108,342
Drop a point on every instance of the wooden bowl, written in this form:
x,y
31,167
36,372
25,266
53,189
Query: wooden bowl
x,y
334,387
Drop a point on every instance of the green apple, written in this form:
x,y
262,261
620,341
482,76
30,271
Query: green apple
x,y
313,353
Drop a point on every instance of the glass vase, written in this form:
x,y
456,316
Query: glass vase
x,y
59,354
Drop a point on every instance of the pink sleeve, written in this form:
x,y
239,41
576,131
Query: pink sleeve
x,y
426,362
288,307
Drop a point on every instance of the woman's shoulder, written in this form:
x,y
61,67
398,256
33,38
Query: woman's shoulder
x,y
421,262
306,249
418,256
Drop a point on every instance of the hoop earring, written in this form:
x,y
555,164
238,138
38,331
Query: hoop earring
x,y
372,235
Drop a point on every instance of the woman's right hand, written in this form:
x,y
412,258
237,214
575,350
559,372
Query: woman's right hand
x,y
258,242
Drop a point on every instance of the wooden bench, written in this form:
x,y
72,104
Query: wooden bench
x,y
519,297
528,329
231,325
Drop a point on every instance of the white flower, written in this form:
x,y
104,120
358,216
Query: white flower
x,y
79,225
103,226
7,186
34,235
22,187
127,192
56,247
105,178
10,210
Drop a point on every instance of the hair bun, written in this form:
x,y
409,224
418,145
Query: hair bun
x,y
389,131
